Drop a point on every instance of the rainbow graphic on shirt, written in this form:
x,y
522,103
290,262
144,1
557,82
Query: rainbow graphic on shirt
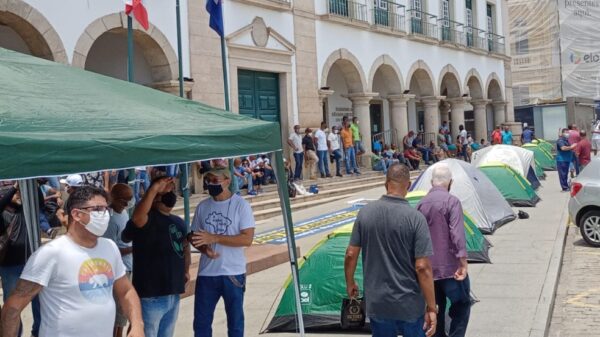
x,y
96,279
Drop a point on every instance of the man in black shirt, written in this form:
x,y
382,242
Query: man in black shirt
x,y
18,250
310,154
161,257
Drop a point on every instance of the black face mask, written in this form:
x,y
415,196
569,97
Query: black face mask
x,y
214,189
169,199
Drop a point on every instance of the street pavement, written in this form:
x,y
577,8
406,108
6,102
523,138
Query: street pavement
x,y
577,305
515,292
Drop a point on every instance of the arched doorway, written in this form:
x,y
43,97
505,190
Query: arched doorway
x,y
476,117
498,105
424,112
26,30
103,50
387,110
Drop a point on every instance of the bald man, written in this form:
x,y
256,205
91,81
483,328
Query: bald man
x,y
444,215
395,244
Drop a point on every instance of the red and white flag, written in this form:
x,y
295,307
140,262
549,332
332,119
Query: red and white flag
x,y
139,12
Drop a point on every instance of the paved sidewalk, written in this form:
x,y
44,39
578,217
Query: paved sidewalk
x,y
577,305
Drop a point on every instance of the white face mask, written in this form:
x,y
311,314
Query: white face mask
x,y
566,135
130,204
336,131
98,223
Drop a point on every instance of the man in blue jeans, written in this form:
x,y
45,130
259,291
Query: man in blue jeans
x,y
564,157
395,243
349,149
322,151
445,218
223,226
161,257
295,142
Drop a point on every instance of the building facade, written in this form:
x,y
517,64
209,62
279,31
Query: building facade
x,y
397,66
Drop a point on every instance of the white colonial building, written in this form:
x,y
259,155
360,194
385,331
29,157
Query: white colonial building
x,y
397,65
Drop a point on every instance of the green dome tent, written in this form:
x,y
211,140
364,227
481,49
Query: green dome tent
x,y
543,158
545,145
513,186
323,285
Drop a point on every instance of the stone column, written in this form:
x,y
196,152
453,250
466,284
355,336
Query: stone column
x,y
323,94
399,115
499,112
432,112
457,114
480,116
360,109
444,111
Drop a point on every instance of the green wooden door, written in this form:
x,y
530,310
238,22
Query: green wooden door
x,y
258,95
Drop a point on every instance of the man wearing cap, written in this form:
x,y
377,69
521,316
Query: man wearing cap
x,y
310,153
72,181
161,257
223,225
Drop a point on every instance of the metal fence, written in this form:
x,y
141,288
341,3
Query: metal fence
x,y
349,9
422,23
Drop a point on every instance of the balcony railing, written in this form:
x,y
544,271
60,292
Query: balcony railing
x,y
452,31
422,23
496,43
386,18
475,38
349,9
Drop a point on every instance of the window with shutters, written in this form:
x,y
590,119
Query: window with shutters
x,y
445,13
418,8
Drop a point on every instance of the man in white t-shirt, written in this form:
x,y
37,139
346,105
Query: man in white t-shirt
x,y
322,151
223,225
295,142
76,276
335,148
464,142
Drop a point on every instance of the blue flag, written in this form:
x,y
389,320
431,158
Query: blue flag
x,y
215,9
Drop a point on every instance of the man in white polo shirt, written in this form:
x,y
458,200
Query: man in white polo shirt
x,y
335,148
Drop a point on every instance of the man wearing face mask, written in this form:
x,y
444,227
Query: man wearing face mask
x,y
445,218
121,196
223,225
76,276
161,257
564,157
18,252
295,142
335,149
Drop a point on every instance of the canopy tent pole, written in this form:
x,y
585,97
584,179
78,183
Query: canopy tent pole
x,y
184,179
31,210
289,230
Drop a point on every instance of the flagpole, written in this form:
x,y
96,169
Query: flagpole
x,y
131,176
184,180
225,77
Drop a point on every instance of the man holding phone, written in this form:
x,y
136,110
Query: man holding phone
x,y
223,225
161,257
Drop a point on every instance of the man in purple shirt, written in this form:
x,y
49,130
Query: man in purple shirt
x,y
444,215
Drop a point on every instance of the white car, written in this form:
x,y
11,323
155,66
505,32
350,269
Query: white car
x,y
584,206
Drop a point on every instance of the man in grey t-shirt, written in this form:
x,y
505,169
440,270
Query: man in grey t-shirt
x,y
395,243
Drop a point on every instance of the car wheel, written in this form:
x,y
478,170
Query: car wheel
x,y
589,226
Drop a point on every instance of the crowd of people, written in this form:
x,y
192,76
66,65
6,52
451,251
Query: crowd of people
x,y
112,270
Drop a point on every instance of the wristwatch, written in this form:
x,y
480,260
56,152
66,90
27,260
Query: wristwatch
x,y
434,310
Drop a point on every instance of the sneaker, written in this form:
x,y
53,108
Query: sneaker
x,y
329,176
357,173
322,175
339,175
252,193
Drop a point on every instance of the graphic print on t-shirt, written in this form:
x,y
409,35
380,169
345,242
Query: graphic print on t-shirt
x,y
96,278
176,241
218,222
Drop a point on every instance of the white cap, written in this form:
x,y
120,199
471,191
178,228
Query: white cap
x,y
524,125
73,180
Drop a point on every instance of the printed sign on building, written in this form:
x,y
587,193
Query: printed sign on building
x,y
580,47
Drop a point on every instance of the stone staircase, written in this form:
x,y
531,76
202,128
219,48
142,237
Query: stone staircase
x,y
266,205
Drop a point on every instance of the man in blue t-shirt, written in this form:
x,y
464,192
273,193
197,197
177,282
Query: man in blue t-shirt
x,y
564,156
507,136
528,136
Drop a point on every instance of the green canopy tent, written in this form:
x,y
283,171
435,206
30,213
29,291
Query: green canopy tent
x,y
323,285
543,158
513,186
58,120
544,144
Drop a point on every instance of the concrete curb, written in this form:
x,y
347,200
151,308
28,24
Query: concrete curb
x,y
545,307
